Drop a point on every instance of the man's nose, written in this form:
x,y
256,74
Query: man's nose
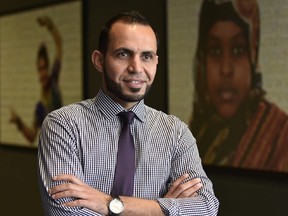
x,y
135,65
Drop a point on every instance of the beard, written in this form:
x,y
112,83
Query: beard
x,y
116,89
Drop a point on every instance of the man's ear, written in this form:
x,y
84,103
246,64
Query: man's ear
x,y
98,60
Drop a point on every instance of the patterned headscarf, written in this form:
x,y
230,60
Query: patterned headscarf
x,y
245,14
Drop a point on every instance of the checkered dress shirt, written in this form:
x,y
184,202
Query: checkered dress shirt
x,y
82,139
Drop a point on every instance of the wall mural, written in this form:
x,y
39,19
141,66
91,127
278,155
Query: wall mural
x,y
40,68
228,79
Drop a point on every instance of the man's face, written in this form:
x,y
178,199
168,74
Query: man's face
x,y
228,68
130,63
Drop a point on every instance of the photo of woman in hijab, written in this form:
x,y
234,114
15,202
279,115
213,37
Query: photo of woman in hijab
x,y
232,121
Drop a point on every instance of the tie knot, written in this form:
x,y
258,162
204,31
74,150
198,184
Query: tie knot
x,y
127,117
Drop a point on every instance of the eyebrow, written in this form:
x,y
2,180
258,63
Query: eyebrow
x,y
216,37
132,52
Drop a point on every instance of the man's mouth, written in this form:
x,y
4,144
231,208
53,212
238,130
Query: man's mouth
x,y
134,83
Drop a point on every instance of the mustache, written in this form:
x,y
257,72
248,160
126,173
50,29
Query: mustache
x,y
139,78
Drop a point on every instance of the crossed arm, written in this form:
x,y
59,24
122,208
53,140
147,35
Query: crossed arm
x,y
66,194
97,201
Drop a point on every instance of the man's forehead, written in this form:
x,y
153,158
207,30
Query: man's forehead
x,y
121,27
132,36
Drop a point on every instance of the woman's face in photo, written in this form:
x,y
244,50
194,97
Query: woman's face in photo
x,y
228,69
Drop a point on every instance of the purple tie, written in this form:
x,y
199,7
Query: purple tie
x,y
125,166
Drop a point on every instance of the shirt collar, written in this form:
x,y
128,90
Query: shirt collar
x,y
110,108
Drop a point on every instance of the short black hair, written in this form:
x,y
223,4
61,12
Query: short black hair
x,y
128,17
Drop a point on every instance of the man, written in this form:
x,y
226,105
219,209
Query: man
x,y
79,143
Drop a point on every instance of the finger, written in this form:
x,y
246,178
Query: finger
x,y
61,188
190,191
188,188
68,178
194,194
181,188
176,183
193,182
76,203
69,190
70,193
72,187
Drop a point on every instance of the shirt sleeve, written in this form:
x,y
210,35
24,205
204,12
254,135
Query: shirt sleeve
x,y
57,154
187,160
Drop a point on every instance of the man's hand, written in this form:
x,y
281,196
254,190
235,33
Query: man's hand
x,y
85,196
184,190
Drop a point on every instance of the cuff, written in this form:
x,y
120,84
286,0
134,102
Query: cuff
x,y
168,206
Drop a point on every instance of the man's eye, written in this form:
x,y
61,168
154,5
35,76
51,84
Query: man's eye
x,y
148,57
122,55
